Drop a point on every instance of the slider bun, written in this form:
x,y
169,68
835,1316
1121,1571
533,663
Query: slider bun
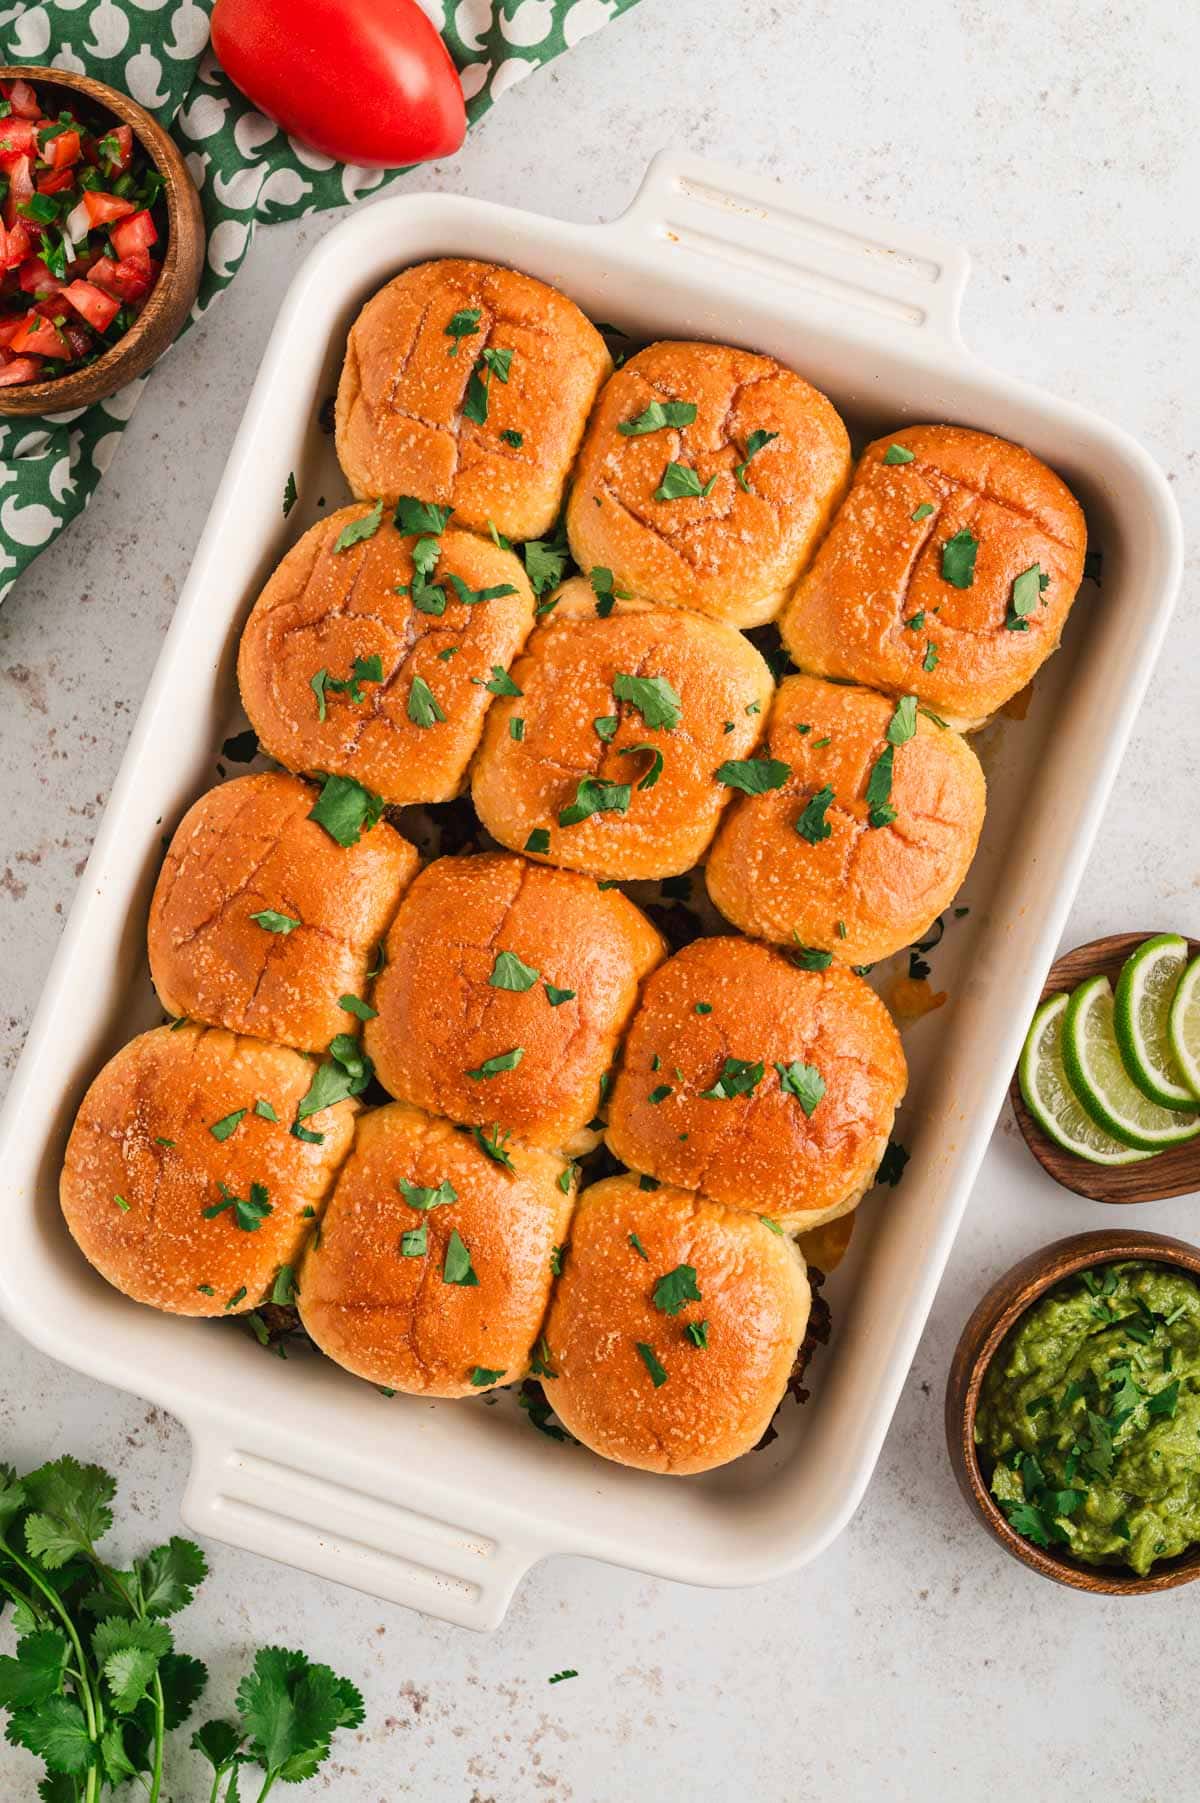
x,y
879,568
392,1318
439,1016
716,1401
566,677
758,1151
735,554
884,884
249,847
323,609
175,1084
401,428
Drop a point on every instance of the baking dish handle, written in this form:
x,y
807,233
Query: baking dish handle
x,y
715,213
341,1524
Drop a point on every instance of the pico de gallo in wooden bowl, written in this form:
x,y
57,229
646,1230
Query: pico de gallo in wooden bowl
x,y
101,240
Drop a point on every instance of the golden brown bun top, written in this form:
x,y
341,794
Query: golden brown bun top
x,y
716,1399
566,678
733,554
866,889
401,425
144,1133
330,610
248,848
758,1150
375,1291
440,1016
880,568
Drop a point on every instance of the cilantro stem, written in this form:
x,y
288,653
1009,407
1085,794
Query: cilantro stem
x,y
93,1708
159,1735
268,1787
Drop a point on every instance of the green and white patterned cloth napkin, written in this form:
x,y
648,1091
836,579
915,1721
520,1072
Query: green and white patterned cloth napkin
x,y
248,172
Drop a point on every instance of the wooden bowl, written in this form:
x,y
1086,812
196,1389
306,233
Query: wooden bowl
x,y
169,301
1000,1309
1175,1172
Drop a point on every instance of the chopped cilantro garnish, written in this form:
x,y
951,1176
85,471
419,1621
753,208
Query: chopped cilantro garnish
x,y
412,516
290,493
903,723
228,1124
958,558
353,1004
680,482
357,530
511,972
810,957
897,453
653,697
812,824
457,1267
345,809
470,597
658,1375
675,1289
655,769
656,416
463,324
595,797
754,445
804,1081
638,1247
538,840
493,1067
273,922
423,1198
423,705
739,1077
753,776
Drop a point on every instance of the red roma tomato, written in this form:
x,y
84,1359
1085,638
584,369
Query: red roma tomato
x,y
363,81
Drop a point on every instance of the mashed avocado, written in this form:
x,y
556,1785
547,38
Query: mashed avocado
x,y
1089,1417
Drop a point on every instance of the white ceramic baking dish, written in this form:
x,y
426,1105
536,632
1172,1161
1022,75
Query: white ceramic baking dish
x,y
444,1506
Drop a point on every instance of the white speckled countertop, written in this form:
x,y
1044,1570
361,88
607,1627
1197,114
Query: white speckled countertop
x,y
915,1660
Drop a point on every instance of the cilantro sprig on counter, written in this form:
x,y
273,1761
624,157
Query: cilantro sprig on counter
x,y
96,1684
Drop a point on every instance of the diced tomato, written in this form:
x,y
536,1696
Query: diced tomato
x,y
62,152
118,149
20,369
56,181
9,328
133,276
18,137
24,100
78,337
35,278
103,208
20,187
133,235
17,245
98,308
102,274
40,336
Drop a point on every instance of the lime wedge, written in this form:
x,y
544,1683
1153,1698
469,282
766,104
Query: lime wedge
x,y
1051,1100
1098,1076
1183,1026
1145,990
